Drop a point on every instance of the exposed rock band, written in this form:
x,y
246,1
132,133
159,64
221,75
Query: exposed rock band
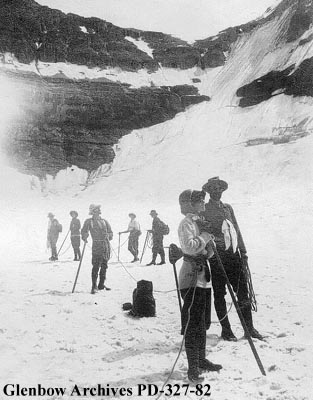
x,y
204,224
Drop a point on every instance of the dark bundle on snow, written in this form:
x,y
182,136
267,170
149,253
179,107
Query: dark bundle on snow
x,y
143,301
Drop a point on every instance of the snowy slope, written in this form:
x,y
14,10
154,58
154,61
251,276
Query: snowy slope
x,y
56,338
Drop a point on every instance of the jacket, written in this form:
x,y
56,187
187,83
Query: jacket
x,y
101,233
157,226
75,227
53,230
193,244
216,214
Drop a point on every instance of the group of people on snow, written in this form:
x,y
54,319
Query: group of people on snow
x,y
205,225
101,234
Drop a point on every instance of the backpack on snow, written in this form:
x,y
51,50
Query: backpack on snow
x,y
143,300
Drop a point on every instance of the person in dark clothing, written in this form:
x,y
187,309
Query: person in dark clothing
x,y
75,235
53,236
233,254
134,233
101,233
194,284
157,239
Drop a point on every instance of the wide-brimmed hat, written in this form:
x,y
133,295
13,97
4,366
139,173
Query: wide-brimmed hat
x,y
214,183
50,214
153,212
94,208
73,212
132,215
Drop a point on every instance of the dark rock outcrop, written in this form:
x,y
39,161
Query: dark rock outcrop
x,y
35,32
297,83
63,122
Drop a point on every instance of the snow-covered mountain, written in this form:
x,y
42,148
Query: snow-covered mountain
x,y
254,132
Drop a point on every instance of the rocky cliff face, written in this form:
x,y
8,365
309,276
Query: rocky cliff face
x,y
32,31
63,122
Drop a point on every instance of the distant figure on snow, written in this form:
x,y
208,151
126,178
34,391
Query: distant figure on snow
x,y
195,284
75,235
101,234
134,233
157,238
54,229
233,254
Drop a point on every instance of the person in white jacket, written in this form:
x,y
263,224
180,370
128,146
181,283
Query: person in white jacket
x,y
195,283
134,233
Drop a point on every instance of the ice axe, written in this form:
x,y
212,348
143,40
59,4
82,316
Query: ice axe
x,y
63,242
119,246
80,263
174,254
242,320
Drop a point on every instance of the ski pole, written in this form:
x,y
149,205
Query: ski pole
x,y
63,242
243,322
144,246
174,254
80,263
119,246
177,289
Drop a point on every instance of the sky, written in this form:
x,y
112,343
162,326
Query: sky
x,y
187,19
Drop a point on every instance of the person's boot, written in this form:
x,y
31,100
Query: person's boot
x,y
94,286
193,373
101,283
254,334
228,335
153,261
162,254
208,366
247,315
204,364
221,312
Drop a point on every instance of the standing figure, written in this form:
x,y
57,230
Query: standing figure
x,y
233,254
134,233
75,235
157,238
54,229
101,233
195,284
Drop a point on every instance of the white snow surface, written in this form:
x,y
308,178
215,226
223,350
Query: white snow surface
x,y
141,44
161,77
83,29
58,339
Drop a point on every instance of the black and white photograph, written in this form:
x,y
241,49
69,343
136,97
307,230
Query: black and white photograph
x,y
156,199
